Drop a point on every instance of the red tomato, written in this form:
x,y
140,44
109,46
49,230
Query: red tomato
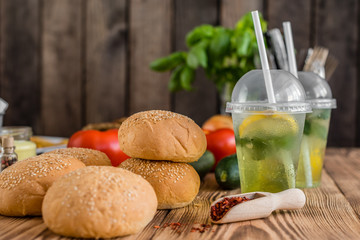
x,y
106,142
221,143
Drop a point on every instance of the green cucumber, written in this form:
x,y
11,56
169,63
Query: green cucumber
x,y
227,173
204,164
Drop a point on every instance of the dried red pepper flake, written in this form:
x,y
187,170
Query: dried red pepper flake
x,y
203,228
219,210
178,227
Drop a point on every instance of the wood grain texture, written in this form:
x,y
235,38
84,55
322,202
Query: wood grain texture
x,y
150,38
61,71
346,176
106,31
20,81
339,34
233,10
331,212
298,14
201,103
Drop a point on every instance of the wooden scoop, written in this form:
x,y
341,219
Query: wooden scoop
x,y
262,204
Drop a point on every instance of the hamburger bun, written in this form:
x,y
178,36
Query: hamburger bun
x,y
99,202
176,184
89,157
24,184
162,135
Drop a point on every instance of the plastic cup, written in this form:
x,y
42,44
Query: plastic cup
x,y
268,135
313,145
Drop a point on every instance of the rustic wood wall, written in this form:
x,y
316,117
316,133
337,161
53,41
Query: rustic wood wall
x,y
65,63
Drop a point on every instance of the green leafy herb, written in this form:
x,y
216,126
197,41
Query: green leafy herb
x,y
226,54
168,63
307,127
174,83
187,78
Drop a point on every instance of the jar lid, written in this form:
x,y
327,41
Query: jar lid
x,y
17,132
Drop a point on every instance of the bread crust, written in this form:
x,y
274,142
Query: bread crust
x,y
90,157
99,202
162,135
24,184
176,184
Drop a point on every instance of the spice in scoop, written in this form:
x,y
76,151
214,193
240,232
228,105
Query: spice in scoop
x,y
219,210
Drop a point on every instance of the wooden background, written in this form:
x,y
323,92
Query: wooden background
x,y
65,63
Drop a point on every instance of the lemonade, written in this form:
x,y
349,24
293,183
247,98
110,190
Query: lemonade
x,y
313,148
268,149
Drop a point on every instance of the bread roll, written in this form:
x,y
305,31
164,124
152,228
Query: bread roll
x,y
89,157
99,202
176,184
24,184
162,135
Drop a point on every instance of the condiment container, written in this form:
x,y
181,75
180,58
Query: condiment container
x,y
24,148
8,156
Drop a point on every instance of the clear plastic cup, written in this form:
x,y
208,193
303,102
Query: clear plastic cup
x,y
313,145
268,135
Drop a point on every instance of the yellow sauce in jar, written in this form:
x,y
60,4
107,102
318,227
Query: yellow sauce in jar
x,y
24,149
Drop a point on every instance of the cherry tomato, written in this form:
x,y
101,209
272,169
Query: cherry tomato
x,y
221,143
106,142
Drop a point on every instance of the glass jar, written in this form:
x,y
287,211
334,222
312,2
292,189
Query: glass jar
x,y
24,148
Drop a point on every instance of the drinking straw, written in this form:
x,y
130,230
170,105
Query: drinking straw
x,y
263,57
290,48
293,69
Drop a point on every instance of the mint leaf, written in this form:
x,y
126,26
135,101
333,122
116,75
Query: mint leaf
x,y
319,130
307,127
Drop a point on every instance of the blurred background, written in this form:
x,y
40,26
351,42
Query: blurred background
x,y
66,63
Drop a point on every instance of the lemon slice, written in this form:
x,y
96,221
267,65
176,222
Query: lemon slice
x,y
267,126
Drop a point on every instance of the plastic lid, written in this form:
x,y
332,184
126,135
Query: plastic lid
x,y
317,90
249,94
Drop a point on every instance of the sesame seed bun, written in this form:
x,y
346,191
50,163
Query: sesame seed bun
x,y
176,184
162,135
23,185
99,202
89,157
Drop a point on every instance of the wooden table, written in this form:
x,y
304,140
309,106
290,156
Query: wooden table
x,y
332,211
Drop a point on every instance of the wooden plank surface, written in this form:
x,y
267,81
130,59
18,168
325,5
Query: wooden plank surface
x,y
61,71
344,167
150,38
340,35
201,103
298,14
331,212
106,32
20,44
233,10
